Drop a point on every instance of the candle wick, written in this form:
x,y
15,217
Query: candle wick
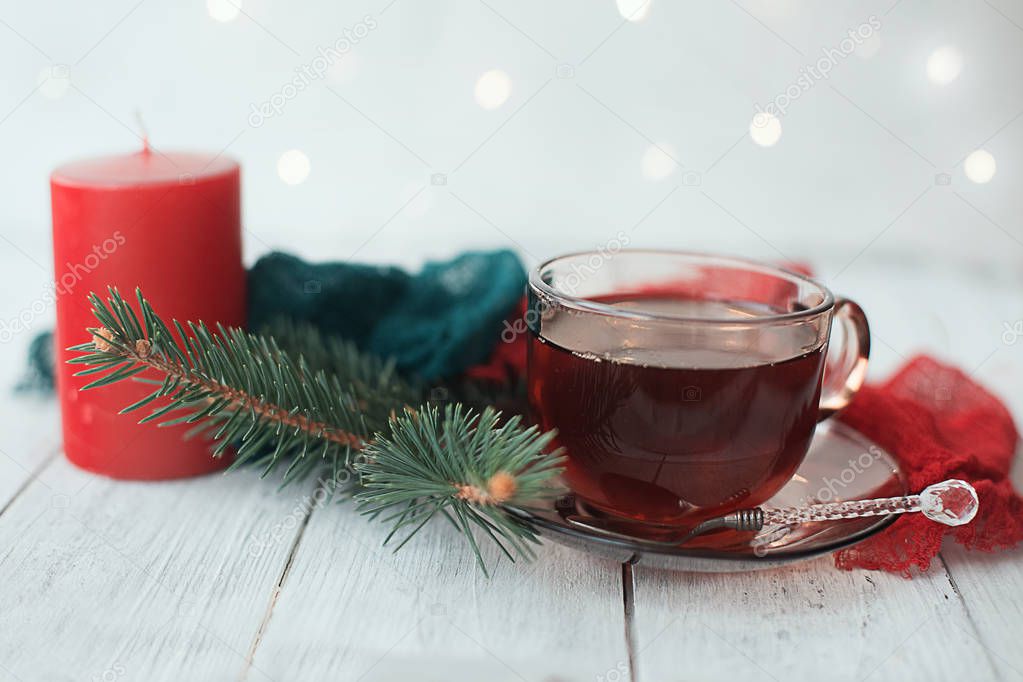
x,y
142,129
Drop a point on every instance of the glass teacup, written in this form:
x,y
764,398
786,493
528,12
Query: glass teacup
x,y
685,386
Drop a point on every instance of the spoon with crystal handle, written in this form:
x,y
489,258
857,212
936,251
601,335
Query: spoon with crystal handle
x,y
952,502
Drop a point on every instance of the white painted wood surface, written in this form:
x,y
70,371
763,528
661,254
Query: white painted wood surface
x,y
225,578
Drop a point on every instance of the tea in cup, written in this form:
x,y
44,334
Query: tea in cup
x,y
684,386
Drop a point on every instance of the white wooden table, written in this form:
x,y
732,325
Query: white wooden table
x,y
224,577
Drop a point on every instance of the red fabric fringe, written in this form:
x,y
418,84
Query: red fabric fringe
x,y
939,424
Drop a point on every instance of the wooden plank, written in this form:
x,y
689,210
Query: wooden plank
x,y
29,423
31,440
990,585
105,579
808,621
352,610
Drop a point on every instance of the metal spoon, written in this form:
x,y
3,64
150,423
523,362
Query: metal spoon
x,y
952,502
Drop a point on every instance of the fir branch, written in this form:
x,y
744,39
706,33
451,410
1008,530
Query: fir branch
x,y
244,389
463,465
374,382
278,407
380,380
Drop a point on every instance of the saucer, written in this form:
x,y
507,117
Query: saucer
x,y
842,464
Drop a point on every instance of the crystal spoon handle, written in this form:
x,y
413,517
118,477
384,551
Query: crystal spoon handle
x,y
952,502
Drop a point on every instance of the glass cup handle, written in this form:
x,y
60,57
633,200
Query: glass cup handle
x,y
844,374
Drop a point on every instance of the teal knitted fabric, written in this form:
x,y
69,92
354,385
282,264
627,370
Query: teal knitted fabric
x,y
435,324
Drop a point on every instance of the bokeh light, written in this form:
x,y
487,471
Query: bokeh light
x,y
224,10
658,162
634,10
944,65
293,167
980,166
765,129
493,89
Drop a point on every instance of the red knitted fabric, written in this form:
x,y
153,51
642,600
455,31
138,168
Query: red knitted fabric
x,y
508,359
939,424
935,420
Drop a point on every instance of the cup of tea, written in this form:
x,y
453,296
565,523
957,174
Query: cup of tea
x,y
684,386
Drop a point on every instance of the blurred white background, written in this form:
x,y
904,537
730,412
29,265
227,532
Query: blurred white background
x,y
550,126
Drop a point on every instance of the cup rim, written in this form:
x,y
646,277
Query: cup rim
x,y
589,305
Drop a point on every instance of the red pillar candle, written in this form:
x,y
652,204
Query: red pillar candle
x,y
171,224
